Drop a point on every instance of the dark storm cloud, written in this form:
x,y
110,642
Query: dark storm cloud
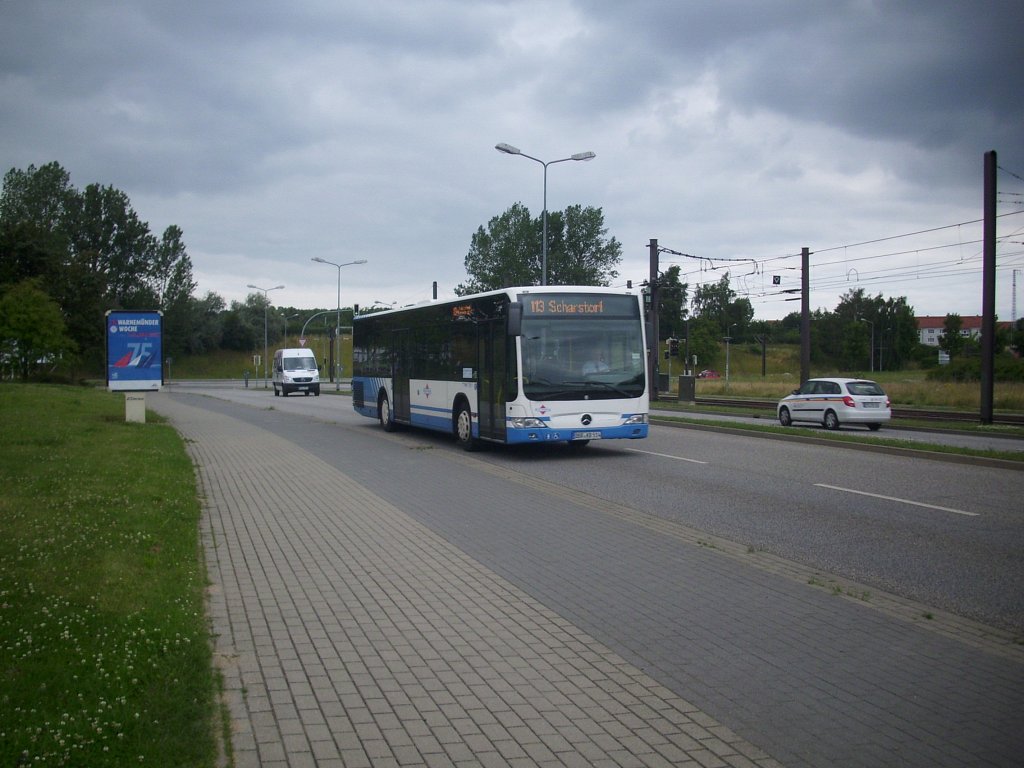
x,y
273,131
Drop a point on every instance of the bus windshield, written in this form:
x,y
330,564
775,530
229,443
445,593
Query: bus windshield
x,y
593,358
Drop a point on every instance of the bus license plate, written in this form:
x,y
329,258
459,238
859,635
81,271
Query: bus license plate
x,y
586,435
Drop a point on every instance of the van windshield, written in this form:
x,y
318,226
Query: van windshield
x,y
300,364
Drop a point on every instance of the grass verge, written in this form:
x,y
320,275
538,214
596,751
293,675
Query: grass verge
x,y
105,655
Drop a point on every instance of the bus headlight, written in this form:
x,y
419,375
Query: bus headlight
x,y
526,422
636,418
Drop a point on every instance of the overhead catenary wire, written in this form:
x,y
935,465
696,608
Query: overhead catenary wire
x,y
923,270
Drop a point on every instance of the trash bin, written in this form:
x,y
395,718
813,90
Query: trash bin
x,y
687,389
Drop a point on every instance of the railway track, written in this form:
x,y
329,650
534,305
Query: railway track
x,y
919,414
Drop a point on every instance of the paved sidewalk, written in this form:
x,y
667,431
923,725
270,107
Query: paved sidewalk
x,y
351,635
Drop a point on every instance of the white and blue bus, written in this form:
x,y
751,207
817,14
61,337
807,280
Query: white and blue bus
x,y
518,365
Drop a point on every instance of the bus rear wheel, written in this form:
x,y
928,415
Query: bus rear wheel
x,y
464,428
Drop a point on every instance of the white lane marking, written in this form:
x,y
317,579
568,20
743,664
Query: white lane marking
x,y
901,501
666,456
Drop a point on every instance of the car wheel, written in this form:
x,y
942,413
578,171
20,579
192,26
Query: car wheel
x,y
874,427
831,420
784,418
387,419
464,428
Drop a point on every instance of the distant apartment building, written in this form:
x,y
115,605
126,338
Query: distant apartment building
x,y
930,328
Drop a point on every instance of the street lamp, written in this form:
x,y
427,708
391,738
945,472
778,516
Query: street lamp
x,y
266,345
337,324
871,365
728,338
508,149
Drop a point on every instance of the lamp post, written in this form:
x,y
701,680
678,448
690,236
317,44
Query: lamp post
x,y
337,324
266,345
871,365
728,338
508,149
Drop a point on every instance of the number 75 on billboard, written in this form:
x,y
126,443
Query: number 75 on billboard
x,y
134,350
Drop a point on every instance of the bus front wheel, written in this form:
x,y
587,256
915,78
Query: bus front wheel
x,y
387,420
464,427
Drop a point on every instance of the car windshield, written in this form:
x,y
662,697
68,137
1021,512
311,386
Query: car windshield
x,y
594,359
864,388
299,364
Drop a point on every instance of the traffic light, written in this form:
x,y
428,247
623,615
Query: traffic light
x,y
673,347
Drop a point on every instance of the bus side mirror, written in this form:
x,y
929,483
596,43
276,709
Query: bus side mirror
x,y
515,319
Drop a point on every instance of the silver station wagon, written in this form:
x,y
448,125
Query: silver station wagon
x,y
831,402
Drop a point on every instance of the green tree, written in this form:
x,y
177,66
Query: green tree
x,y
509,251
711,303
672,312
705,341
579,249
1017,336
504,254
203,330
31,328
172,282
716,303
92,252
951,341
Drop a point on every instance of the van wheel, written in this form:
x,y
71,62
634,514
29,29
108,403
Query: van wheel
x,y
464,428
831,420
784,418
387,419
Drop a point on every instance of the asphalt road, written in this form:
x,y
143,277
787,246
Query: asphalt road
x,y
948,535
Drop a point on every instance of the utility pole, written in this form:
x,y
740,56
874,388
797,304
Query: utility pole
x,y
988,290
655,301
805,314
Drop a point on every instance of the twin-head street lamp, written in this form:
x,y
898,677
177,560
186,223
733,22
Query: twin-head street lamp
x,y
337,325
508,149
266,346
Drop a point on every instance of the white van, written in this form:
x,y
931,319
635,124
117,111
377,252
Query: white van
x,y
295,370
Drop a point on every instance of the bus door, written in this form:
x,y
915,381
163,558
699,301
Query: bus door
x,y
492,345
400,372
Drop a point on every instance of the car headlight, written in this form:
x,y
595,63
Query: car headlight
x,y
636,418
526,422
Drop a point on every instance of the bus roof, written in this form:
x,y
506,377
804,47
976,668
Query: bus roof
x,y
510,291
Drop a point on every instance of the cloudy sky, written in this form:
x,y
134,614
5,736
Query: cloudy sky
x,y
734,131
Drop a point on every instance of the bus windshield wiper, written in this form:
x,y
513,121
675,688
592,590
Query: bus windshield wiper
x,y
604,384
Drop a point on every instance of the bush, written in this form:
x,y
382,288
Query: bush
x,y
969,369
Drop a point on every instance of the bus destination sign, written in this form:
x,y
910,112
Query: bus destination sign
x,y
576,305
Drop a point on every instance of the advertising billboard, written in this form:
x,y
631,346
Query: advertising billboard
x,y
134,350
